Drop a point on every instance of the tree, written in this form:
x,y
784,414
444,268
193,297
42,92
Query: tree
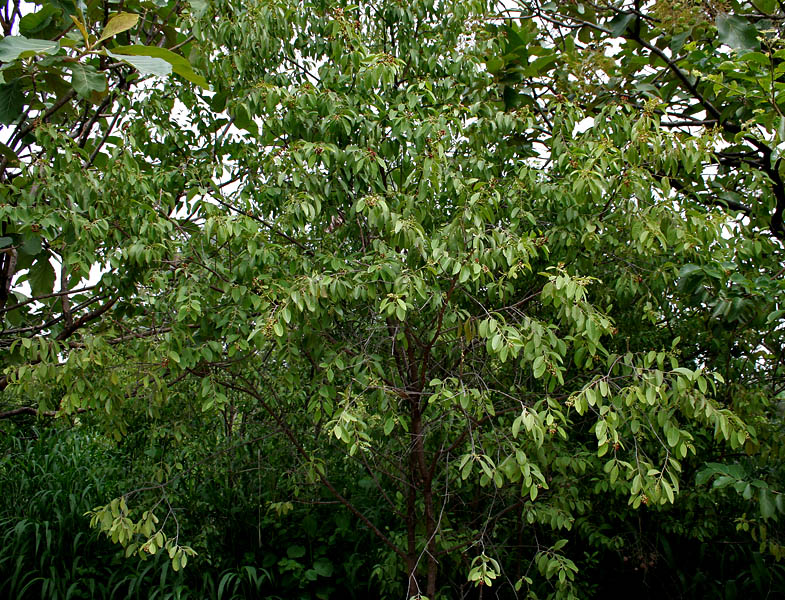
x,y
391,235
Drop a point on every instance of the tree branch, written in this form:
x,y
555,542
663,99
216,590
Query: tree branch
x,y
304,454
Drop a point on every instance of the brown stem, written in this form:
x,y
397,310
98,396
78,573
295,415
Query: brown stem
x,y
7,270
411,530
426,479
68,331
42,296
30,410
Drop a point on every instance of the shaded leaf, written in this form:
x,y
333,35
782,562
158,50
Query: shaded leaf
x,y
9,155
12,102
766,504
323,567
495,64
42,277
295,551
737,32
31,245
690,277
620,23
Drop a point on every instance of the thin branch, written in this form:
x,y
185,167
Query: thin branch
x,y
31,410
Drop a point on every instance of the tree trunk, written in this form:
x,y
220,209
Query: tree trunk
x,y
420,472
411,530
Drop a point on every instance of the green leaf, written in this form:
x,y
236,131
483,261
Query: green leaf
x,y
34,22
42,277
31,245
766,6
690,277
177,63
120,22
146,65
86,80
18,46
244,120
295,551
199,7
323,567
495,64
620,23
737,32
540,65
538,367
12,102
668,491
672,436
678,40
775,316
81,27
766,504
9,155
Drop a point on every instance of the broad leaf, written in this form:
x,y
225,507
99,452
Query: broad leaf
x,y
31,245
18,46
86,80
323,567
737,32
35,22
198,7
690,277
42,277
767,6
179,64
12,102
146,65
620,23
767,509
117,24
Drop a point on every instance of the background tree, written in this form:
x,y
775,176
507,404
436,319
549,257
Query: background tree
x,y
463,263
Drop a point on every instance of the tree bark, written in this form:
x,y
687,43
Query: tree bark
x,y
422,474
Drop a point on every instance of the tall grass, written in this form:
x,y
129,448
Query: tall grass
x,y
51,478
47,483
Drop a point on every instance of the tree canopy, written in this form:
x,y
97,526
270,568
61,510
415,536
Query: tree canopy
x,y
495,278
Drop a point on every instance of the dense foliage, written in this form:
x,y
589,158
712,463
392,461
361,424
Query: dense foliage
x,y
410,299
